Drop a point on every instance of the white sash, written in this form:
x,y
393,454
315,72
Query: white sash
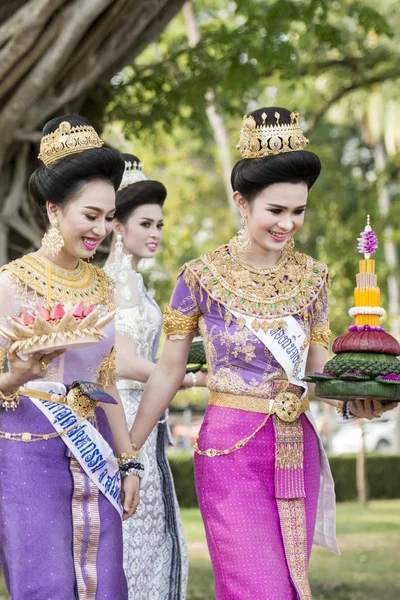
x,y
88,446
285,346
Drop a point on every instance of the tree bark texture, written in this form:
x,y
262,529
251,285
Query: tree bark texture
x,y
214,114
52,54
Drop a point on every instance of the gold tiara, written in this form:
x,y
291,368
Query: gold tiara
x,y
132,174
257,141
67,140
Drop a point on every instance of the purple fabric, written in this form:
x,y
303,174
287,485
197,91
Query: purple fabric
x,y
36,537
237,492
236,496
36,487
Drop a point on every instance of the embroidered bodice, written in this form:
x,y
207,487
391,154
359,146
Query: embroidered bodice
x,y
138,317
24,285
141,322
212,293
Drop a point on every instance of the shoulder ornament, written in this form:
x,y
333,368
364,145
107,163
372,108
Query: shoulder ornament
x,y
287,288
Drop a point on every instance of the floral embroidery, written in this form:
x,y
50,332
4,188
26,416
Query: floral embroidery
x,y
292,514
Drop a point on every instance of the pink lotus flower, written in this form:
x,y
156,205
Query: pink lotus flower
x,y
78,310
26,319
43,312
57,312
88,310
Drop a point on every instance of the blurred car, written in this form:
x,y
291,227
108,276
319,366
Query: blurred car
x,y
380,435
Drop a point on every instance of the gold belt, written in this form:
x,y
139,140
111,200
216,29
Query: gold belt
x,y
286,406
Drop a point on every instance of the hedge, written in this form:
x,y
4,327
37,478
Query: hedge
x,y
383,474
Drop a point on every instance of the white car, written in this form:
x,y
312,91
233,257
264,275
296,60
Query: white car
x,y
380,435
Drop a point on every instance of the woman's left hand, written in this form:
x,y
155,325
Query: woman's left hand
x,y
370,408
130,495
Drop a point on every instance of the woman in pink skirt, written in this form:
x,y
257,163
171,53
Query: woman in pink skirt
x,y
263,481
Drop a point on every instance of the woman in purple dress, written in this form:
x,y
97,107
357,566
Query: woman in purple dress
x,y
262,477
60,488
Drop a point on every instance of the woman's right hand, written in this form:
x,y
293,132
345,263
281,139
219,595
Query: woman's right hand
x,y
20,371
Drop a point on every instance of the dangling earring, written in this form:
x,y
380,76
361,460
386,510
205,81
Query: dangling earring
x,y
243,240
123,264
289,246
53,241
119,250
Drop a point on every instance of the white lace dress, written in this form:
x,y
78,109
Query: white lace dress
x,y
155,552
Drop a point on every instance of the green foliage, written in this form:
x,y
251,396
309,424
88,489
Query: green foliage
x,y
383,475
182,470
304,54
243,44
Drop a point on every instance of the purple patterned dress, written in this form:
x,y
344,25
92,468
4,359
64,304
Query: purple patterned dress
x,y
60,538
262,489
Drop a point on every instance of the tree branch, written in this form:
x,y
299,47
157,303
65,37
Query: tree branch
x,y
76,23
347,89
28,33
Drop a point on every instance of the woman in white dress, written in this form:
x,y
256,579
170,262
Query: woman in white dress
x,y
155,553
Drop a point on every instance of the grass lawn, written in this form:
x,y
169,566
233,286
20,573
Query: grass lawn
x,y
368,568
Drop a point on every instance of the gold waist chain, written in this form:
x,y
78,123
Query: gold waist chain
x,y
81,404
286,406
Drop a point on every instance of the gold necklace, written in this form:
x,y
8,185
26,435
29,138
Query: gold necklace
x,y
85,282
287,288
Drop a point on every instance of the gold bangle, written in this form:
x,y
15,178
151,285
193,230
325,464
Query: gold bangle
x,y
127,456
135,450
339,407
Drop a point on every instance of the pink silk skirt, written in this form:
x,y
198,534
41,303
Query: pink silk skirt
x,y
259,544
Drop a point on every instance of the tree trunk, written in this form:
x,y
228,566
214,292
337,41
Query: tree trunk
x,y
389,245
214,114
52,55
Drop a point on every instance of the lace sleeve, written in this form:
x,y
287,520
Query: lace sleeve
x,y
182,314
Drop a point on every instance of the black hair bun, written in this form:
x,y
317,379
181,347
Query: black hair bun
x,y
137,194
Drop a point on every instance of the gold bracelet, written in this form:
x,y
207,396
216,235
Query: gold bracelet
x,y
10,400
125,456
339,407
135,450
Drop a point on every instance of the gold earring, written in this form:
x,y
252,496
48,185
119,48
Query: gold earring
x,y
289,246
53,241
243,240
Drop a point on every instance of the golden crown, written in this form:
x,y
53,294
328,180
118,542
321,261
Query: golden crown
x,y
257,141
67,140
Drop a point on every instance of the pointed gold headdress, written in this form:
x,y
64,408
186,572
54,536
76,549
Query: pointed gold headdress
x,y
132,174
66,140
257,141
